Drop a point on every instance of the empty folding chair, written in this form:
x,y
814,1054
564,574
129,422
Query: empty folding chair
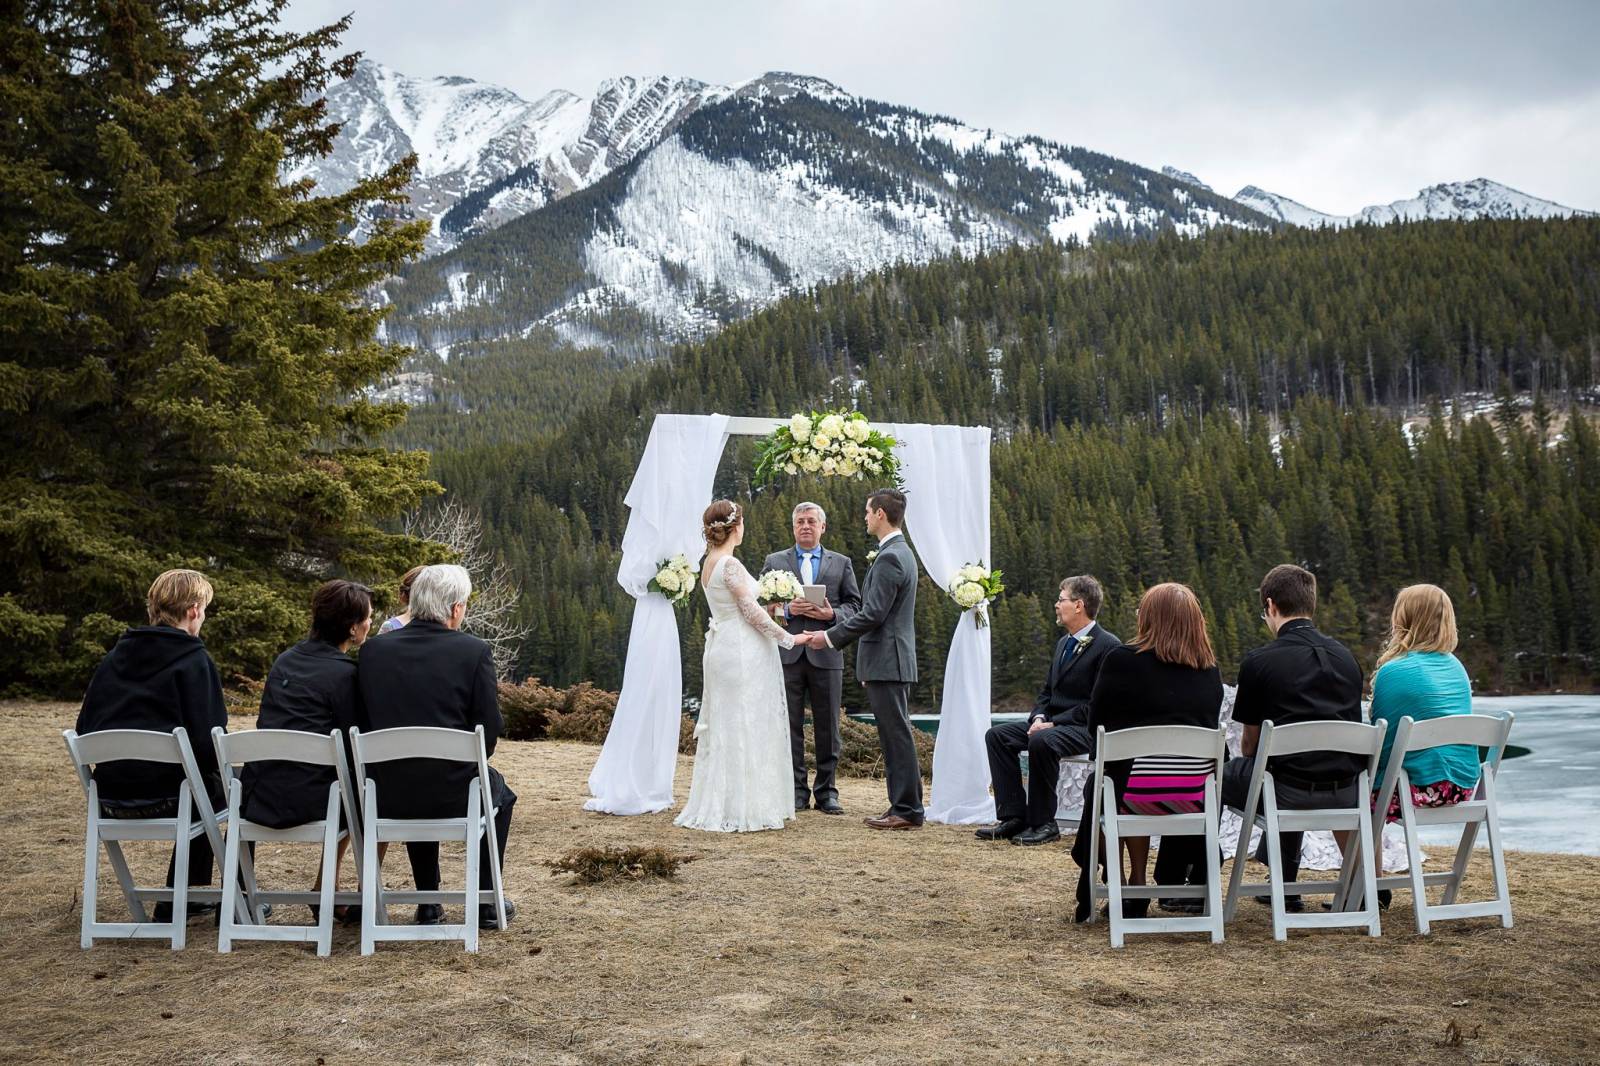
x,y
194,817
426,742
1261,808
1489,734
1180,741
284,745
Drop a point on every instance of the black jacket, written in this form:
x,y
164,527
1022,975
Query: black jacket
x,y
1137,689
1064,699
428,675
155,677
311,688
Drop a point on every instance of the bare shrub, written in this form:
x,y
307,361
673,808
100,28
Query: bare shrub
x,y
592,866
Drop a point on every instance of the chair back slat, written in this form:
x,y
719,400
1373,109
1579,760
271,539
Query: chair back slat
x,y
1354,738
285,745
1482,730
1180,740
116,745
416,742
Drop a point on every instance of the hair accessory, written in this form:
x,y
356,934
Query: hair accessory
x,y
733,516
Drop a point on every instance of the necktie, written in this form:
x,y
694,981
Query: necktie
x,y
808,572
1067,650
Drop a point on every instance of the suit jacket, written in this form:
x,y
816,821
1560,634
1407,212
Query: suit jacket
x,y
428,674
837,574
311,688
1064,699
886,623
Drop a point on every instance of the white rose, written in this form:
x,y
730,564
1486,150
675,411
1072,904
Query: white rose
x,y
832,425
857,430
851,450
668,580
810,464
791,468
800,427
821,441
830,467
969,594
848,469
973,573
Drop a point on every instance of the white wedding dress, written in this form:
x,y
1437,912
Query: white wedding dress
x,y
743,777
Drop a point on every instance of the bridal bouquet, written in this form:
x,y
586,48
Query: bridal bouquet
x,y
777,586
976,586
831,444
675,579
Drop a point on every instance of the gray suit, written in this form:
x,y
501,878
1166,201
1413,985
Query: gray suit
x,y
818,672
886,662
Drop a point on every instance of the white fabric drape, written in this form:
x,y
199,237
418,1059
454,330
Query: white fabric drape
x,y
672,487
946,475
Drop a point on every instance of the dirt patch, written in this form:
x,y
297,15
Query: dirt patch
x,y
822,942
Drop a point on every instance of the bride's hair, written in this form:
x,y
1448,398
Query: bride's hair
x,y
718,523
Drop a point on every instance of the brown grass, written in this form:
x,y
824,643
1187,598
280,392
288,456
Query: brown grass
x,y
824,943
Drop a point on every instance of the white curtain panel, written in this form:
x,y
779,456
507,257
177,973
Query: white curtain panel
x,y
670,491
946,474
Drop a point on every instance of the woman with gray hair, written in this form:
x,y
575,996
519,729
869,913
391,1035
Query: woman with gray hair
x,y
432,674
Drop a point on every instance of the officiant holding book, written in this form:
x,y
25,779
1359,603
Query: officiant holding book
x,y
814,673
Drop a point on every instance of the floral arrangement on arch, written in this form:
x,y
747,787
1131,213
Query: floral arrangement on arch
x,y
675,578
829,444
973,588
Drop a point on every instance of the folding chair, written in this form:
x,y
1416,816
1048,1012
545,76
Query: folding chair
x,y
1127,744
194,816
1261,808
1484,731
286,745
423,742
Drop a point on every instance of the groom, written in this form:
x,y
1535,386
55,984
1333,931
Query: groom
x,y
817,672
887,659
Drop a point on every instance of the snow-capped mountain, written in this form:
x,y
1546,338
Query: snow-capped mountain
x,y
1479,198
1185,177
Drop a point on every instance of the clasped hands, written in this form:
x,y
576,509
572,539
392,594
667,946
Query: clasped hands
x,y
813,639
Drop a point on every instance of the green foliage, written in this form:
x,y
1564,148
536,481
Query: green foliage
x,y
184,338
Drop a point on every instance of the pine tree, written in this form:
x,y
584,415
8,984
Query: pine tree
x,y
186,335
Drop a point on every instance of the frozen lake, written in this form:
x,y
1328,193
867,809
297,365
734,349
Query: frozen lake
x,y
1550,797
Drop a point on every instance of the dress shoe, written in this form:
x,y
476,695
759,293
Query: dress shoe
x,y
1003,830
894,821
802,802
1039,834
1291,904
162,914
486,916
829,806
430,913
1183,905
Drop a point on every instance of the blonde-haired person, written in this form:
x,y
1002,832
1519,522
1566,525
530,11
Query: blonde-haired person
x,y
1419,676
399,621
160,677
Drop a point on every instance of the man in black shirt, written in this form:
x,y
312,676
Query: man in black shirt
x,y
1302,676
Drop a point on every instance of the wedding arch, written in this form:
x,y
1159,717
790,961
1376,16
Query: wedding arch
x,y
945,470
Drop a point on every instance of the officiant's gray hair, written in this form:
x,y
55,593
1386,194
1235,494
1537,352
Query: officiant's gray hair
x,y
807,505
437,589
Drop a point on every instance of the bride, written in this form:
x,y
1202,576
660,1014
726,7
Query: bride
x,y
743,777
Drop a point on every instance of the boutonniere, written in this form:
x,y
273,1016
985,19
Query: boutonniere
x,y
1083,643
871,555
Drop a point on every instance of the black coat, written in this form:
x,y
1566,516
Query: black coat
x,y
427,674
155,677
311,688
1064,699
1137,689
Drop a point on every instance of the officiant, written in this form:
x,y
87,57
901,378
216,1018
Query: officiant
x,y
815,673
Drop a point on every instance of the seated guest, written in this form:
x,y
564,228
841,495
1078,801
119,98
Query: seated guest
x,y
1058,726
1167,675
160,677
1302,676
399,621
431,674
1419,677
311,688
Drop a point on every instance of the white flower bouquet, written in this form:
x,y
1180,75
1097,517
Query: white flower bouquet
x,y
777,586
973,588
827,444
675,579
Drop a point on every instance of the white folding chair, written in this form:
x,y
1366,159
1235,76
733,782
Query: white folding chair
x,y
1261,807
1127,744
194,817
284,745
423,742
1482,731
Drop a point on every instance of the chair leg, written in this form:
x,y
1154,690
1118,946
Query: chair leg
x,y
1458,868
1113,870
370,874
180,870
230,885
1213,861
1502,888
1241,856
1280,930
91,879
1363,843
1419,887
496,875
470,896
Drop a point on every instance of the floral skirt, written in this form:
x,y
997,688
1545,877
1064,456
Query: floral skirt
x,y
1438,794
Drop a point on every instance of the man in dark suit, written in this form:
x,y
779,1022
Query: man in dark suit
x,y
431,674
813,671
1058,726
1301,676
886,662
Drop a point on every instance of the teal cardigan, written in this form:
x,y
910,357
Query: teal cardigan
x,y
1424,685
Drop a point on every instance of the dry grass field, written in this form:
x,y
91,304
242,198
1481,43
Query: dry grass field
x,y
823,943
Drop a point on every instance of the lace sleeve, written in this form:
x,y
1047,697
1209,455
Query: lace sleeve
x,y
743,589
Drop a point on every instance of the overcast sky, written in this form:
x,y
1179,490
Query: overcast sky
x,y
1337,105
